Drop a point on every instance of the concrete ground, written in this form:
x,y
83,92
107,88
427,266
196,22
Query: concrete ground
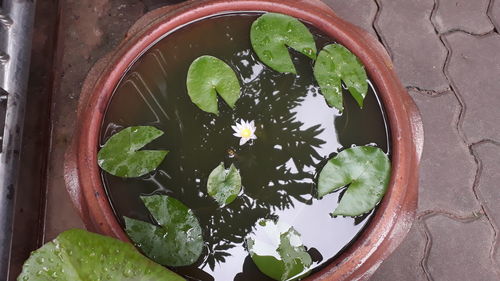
x,y
447,54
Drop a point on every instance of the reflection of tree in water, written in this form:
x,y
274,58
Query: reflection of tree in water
x,y
274,168
277,168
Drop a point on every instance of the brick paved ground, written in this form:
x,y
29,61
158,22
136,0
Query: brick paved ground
x,y
447,53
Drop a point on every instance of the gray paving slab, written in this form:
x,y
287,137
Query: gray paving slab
x,y
469,16
405,262
488,188
494,13
460,249
474,69
360,12
442,188
413,44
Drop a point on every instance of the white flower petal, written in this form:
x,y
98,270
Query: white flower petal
x,y
239,126
252,124
235,128
238,135
254,137
243,141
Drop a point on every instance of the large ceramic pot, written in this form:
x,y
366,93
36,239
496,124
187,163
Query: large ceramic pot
x,y
393,217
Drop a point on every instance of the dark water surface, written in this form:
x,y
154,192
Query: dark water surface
x,y
297,132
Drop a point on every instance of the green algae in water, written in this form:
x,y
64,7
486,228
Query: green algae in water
x,y
297,133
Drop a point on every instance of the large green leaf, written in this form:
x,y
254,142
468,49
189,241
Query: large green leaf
x,y
209,76
78,255
335,64
278,252
176,241
272,33
120,155
365,169
224,185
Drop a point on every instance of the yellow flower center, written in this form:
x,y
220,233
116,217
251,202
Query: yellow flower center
x,y
246,133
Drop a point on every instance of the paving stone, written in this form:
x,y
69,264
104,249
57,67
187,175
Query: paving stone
x,y
474,69
466,15
460,250
358,12
416,50
404,263
488,188
447,168
495,14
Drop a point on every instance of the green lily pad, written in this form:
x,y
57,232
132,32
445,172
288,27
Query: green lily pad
x,y
176,240
224,185
276,249
121,157
366,170
271,35
208,76
78,255
335,64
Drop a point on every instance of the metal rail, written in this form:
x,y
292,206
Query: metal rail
x,y
16,27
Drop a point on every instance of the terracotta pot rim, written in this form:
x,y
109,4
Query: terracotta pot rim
x,y
394,215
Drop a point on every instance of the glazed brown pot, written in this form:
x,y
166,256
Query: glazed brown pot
x,y
394,216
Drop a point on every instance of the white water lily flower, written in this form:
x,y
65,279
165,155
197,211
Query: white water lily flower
x,y
244,130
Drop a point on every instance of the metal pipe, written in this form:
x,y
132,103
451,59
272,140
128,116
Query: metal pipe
x,y
4,58
5,19
16,28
